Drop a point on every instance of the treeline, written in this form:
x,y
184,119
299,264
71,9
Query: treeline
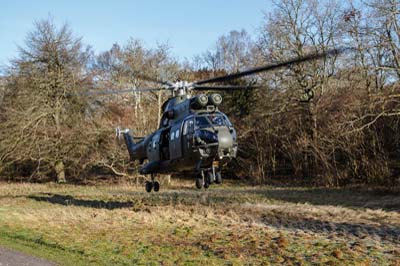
x,y
333,121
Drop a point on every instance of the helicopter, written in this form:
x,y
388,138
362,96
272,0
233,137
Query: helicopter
x,y
194,136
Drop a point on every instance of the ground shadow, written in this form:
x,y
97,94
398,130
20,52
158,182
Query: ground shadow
x,y
345,197
340,229
280,220
68,200
138,200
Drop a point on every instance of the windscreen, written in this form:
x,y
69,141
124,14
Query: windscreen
x,y
211,120
202,122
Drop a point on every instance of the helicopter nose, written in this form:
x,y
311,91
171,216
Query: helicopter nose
x,y
225,139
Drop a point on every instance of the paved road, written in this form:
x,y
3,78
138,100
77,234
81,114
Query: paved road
x,y
14,258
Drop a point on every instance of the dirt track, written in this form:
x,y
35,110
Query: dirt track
x,y
14,258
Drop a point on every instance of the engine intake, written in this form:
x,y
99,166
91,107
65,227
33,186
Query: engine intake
x,y
215,99
199,101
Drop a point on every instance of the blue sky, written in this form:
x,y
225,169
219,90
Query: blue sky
x,y
189,27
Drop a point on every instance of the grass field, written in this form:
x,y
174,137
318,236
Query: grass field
x,y
226,225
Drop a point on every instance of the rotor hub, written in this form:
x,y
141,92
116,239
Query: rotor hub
x,y
181,87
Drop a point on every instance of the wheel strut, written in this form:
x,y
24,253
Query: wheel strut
x,y
153,184
200,180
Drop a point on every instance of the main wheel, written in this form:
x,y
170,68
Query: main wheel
x,y
210,177
206,184
156,186
218,177
199,183
148,186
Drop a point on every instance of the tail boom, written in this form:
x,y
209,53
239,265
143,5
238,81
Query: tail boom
x,y
137,151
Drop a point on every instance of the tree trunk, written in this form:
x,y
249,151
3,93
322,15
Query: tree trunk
x,y
60,171
59,164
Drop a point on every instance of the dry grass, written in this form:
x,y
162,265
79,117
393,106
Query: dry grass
x,y
228,225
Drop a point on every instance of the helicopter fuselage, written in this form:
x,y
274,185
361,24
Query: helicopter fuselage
x,y
193,137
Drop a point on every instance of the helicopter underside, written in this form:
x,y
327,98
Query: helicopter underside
x,y
192,165
205,172
205,165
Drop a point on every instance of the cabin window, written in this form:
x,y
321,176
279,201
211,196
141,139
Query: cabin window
x,y
191,126
177,133
172,135
188,127
185,127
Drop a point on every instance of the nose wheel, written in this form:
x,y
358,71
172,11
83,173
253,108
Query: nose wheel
x,y
152,185
199,182
206,178
218,177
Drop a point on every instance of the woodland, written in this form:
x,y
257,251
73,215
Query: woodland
x,y
332,122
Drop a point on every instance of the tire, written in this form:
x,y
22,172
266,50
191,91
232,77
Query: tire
x,y
206,185
199,183
148,186
218,177
156,186
210,177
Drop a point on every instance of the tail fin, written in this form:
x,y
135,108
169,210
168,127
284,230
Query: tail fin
x,y
130,144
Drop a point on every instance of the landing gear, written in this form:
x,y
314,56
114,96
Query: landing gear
x,y
218,177
208,177
149,185
156,186
199,182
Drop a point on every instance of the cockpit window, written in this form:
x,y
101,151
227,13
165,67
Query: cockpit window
x,y
216,120
202,121
211,120
228,123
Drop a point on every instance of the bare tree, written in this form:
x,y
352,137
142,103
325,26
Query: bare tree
x,y
296,28
386,14
231,52
41,132
130,66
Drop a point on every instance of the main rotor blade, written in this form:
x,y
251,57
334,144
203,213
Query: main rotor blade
x,y
107,92
155,80
224,88
274,66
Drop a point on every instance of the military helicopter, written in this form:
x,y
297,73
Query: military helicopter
x,y
194,136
